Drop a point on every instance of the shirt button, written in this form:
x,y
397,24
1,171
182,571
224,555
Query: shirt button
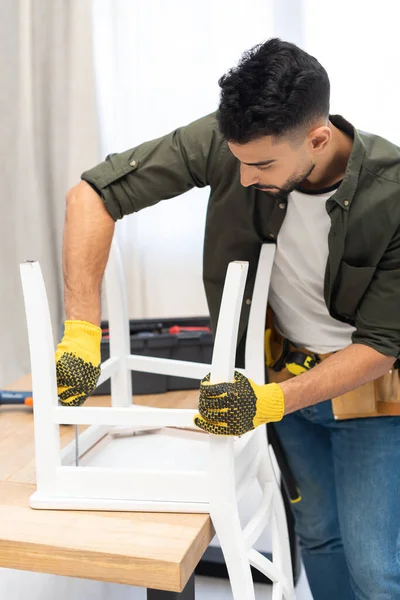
x,y
346,202
133,163
282,205
271,235
248,301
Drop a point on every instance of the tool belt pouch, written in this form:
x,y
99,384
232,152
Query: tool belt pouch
x,y
277,352
277,374
380,397
376,398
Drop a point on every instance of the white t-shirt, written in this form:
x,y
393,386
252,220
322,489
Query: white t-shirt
x,y
297,281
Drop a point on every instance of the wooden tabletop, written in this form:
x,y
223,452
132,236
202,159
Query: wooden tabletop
x,y
154,550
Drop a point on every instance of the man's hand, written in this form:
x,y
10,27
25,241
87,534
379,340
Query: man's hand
x,y
78,362
238,407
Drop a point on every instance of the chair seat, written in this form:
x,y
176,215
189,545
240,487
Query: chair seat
x,y
164,470
162,449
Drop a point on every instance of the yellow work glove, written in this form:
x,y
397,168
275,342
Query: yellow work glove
x,y
238,407
78,362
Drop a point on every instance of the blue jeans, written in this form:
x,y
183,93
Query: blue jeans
x,y
348,521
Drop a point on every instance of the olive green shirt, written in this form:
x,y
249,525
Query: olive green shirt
x,y
362,278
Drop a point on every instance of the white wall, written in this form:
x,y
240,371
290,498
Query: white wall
x,y
358,43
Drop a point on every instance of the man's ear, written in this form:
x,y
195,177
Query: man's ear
x,y
319,138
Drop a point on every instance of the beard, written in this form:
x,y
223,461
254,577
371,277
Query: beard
x,y
282,193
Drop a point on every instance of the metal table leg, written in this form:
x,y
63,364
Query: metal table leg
x,y
187,594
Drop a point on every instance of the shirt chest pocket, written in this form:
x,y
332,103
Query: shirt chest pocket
x,y
352,283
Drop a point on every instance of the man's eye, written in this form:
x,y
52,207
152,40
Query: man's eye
x,y
264,168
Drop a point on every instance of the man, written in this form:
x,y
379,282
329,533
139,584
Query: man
x,y
281,169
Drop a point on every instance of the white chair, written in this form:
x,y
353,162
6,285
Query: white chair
x,y
173,466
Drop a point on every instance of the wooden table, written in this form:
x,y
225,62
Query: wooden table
x,y
158,551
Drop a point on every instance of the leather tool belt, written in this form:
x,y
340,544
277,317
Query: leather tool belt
x,y
380,397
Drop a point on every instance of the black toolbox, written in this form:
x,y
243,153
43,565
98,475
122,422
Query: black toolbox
x,y
187,339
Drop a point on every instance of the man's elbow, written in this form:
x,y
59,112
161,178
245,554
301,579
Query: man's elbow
x,y
377,357
79,191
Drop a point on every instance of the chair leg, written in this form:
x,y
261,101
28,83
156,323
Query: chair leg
x,y
224,514
225,518
121,381
281,555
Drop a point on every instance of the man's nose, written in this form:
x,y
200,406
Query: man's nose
x,y
248,176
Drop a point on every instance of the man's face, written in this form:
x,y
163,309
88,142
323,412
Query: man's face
x,y
274,167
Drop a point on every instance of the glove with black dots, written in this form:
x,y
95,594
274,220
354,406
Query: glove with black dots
x,y
237,407
78,362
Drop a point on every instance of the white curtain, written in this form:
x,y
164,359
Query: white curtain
x,y
158,65
49,134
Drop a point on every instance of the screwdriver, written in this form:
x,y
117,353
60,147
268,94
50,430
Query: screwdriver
x,y
11,397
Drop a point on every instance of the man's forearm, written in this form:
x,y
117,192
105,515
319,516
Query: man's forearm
x,y
340,373
88,234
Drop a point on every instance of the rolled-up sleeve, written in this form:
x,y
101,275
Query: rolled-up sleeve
x,y
378,316
157,170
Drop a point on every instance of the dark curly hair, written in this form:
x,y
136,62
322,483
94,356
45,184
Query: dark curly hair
x,y
277,89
